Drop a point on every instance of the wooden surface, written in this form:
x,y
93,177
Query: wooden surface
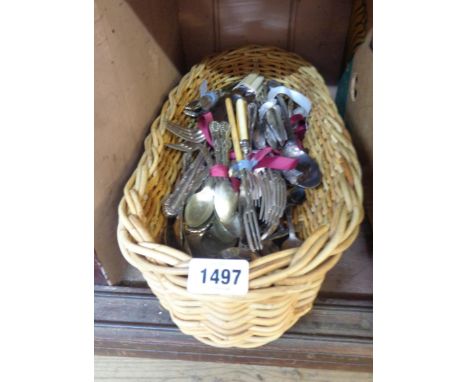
x,y
137,56
142,370
316,29
336,334
320,32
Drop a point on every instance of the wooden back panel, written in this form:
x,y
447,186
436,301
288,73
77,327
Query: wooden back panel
x,y
137,59
315,29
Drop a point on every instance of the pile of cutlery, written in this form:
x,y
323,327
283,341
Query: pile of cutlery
x,y
244,168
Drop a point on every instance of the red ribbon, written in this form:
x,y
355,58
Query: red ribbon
x,y
265,158
235,183
300,128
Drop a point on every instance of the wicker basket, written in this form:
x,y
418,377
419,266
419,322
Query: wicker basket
x,y
283,285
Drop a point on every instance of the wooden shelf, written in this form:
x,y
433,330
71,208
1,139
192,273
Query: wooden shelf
x,y
337,334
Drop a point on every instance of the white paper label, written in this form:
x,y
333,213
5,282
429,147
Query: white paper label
x,y
218,276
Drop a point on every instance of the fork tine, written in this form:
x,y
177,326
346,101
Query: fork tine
x,y
256,235
263,194
174,129
185,133
280,184
256,230
184,130
252,231
271,190
279,197
267,199
179,129
248,232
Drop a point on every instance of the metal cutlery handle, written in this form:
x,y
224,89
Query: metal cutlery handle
x,y
220,135
216,138
174,202
285,116
253,113
226,142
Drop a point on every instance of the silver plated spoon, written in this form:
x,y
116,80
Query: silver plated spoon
x,y
225,198
200,206
307,172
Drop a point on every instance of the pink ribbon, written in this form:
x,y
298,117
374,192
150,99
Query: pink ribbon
x,y
275,162
220,171
261,158
203,124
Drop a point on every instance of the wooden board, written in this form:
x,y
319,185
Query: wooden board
x,y
140,369
198,26
252,21
316,29
336,334
138,57
320,32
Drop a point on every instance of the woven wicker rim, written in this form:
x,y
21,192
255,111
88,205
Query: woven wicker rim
x,y
283,285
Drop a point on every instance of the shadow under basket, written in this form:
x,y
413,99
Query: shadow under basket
x,y
283,285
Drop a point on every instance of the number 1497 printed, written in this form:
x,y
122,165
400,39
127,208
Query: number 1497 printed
x,y
218,276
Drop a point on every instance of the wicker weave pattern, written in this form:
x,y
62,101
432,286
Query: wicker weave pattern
x,y
283,285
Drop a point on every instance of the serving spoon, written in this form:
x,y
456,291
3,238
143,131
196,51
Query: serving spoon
x,y
307,172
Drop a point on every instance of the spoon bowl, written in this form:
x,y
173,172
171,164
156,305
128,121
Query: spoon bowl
x,y
307,172
225,201
200,206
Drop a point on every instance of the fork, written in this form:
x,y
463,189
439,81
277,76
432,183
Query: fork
x,y
187,147
191,135
275,203
249,215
